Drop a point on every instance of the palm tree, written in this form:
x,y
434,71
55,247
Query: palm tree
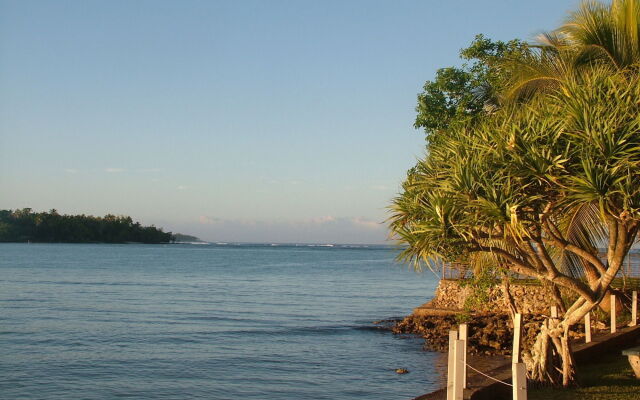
x,y
605,33
595,34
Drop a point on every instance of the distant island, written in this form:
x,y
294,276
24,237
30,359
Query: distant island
x,y
51,227
182,238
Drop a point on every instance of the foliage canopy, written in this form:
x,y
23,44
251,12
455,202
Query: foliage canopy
x,y
459,94
533,164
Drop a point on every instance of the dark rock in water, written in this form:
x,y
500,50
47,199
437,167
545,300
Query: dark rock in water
x,y
402,371
386,324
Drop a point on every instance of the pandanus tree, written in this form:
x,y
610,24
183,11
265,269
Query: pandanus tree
x,y
596,34
516,189
549,174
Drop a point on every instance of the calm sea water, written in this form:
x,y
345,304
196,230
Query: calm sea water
x,y
208,322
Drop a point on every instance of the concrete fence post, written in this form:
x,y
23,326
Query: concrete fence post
x,y
458,384
613,313
464,335
519,381
587,328
453,337
517,333
634,308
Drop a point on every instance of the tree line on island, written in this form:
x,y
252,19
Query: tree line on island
x,y
532,165
25,225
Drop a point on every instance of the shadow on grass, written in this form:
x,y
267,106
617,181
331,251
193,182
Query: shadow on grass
x,y
610,378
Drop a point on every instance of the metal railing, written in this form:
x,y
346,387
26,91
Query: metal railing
x,y
628,277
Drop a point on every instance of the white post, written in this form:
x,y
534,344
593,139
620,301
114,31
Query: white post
x,y
634,308
519,381
453,336
464,333
517,332
613,313
554,312
458,384
587,328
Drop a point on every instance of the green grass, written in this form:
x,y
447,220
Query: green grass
x,y
618,283
629,283
609,379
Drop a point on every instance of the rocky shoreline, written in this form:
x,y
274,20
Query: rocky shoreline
x,y
489,334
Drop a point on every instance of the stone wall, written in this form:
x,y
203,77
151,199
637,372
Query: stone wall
x,y
528,298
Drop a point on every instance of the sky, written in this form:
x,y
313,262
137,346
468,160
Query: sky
x,y
235,121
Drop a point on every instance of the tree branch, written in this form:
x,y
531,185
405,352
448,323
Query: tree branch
x,y
557,239
522,264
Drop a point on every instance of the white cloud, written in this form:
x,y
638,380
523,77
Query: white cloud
x,y
292,182
206,220
71,170
380,187
114,170
321,220
182,187
366,223
323,229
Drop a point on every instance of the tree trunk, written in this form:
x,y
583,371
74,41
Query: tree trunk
x,y
593,278
508,298
549,361
568,370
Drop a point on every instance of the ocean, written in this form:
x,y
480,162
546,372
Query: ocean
x,y
225,321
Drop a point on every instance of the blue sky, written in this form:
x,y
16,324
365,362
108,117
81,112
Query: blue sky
x,y
261,121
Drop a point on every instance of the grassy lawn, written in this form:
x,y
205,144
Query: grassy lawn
x,y
630,283
609,379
